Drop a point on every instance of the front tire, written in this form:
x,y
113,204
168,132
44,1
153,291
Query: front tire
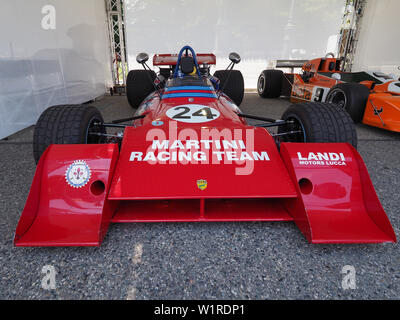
x,y
269,84
234,88
139,86
66,124
352,97
318,122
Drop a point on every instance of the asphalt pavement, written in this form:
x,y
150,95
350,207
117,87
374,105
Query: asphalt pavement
x,y
251,260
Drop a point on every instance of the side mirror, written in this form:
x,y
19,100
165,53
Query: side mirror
x,y
142,58
336,76
234,57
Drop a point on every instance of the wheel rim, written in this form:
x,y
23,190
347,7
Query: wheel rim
x,y
337,97
261,84
92,129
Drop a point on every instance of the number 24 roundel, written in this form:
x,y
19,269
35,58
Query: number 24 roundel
x,y
192,113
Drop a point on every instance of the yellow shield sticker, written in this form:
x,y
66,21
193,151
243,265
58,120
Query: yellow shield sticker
x,y
201,184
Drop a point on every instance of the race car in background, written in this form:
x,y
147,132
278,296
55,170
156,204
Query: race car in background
x,y
370,97
188,154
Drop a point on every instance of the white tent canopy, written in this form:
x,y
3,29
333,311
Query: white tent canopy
x,y
259,30
51,52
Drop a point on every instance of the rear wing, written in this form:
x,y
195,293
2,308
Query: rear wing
x,y
290,63
314,65
171,59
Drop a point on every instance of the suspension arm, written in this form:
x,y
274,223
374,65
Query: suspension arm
x,y
243,115
129,119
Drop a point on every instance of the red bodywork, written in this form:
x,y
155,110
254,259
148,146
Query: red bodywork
x,y
324,188
384,96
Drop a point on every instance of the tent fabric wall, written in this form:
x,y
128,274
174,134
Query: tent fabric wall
x,y
378,45
40,68
259,30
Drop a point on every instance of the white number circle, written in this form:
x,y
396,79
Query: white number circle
x,y
192,113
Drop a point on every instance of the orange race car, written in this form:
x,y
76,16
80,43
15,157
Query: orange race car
x,y
370,97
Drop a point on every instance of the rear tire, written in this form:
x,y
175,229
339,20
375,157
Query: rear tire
x,y
319,122
234,88
352,97
139,86
269,84
66,124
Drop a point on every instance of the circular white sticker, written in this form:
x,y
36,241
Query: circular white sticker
x,y
192,113
78,174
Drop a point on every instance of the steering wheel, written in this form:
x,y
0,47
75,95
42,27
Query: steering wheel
x,y
186,48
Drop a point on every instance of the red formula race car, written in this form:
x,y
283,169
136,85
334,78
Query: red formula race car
x,y
370,97
188,154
